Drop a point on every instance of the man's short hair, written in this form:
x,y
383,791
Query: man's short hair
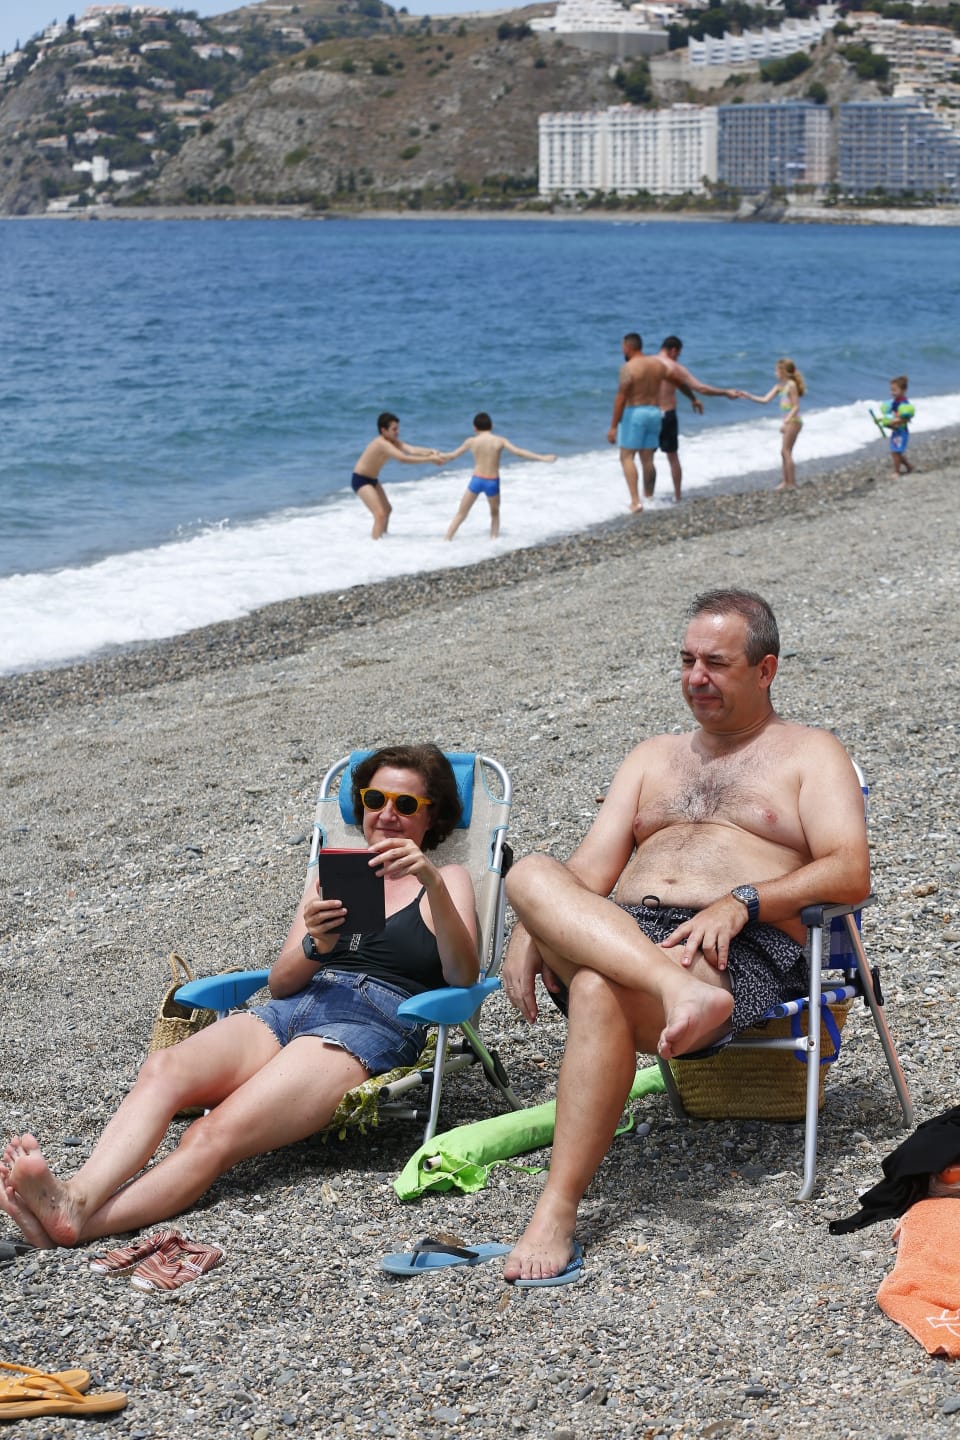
x,y
672,342
633,340
386,419
763,637
482,421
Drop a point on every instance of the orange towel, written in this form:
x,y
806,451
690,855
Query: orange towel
x,y
922,1292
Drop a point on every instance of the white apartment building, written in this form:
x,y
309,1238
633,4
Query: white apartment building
x,y
755,46
625,150
575,16
923,57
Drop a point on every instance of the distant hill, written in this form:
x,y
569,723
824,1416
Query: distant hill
x,y
327,103
427,117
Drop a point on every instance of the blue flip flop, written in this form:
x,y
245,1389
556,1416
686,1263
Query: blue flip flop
x,y
570,1275
429,1254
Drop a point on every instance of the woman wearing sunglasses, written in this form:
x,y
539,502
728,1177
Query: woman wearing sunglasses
x,y
276,1074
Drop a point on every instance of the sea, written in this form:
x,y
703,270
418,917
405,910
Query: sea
x,y
182,402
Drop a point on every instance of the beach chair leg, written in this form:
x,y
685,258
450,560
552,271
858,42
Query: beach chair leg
x,y
492,1066
436,1084
879,1020
670,1085
812,1047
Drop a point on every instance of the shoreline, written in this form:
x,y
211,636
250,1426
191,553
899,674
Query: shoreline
x,y
289,627
798,215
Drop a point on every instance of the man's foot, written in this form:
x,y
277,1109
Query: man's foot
x,y
38,1191
636,508
544,1249
783,486
28,1225
696,1020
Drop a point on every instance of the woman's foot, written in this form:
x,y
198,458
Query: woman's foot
x,y
49,1200
27,1223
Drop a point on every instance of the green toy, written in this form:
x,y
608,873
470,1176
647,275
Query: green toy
x,y
463,1158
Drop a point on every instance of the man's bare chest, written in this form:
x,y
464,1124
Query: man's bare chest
x,y
746,792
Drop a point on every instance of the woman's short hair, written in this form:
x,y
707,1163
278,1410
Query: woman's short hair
x,y
439,783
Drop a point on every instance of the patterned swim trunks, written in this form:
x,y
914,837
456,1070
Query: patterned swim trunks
x,y
765,965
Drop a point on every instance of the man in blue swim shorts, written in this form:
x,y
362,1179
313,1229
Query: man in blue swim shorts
x,y
635,426
365,479
486,449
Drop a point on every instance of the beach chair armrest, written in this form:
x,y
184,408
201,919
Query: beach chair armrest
x,y
817,915
449,1006
222,992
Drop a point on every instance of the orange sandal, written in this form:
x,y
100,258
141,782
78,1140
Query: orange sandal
x,y
39,1392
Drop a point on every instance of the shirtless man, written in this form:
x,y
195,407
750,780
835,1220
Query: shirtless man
x,y
636,416
715,840
366,473
678,377
487,449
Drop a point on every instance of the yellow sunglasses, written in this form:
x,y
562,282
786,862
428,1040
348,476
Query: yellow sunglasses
x,y
372,799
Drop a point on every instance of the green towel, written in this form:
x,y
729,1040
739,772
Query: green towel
x,y
463,1158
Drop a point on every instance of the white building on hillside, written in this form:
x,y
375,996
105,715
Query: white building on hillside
x,y
573,16
605,27
625,150
755,46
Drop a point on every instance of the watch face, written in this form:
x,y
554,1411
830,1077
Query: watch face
x,y
748,896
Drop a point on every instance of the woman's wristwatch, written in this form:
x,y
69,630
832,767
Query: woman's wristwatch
x,y
309,946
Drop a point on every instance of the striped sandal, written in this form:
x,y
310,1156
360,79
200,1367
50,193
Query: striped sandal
x,y
119,1262
176,1264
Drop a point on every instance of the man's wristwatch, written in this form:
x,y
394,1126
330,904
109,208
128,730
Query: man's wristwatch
x,y
312,953
747,895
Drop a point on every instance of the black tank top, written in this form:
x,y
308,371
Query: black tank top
x,y
403,954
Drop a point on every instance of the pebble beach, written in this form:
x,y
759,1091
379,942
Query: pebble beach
x,y
161,799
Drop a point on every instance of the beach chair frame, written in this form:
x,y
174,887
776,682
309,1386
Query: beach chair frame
x,y
479,844
839,973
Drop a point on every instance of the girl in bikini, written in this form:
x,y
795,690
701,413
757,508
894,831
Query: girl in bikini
x,y
790,386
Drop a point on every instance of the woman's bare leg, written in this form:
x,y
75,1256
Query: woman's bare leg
x,y
291,1097
201,1071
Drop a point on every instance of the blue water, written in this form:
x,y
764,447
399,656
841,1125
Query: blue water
x,y
182,403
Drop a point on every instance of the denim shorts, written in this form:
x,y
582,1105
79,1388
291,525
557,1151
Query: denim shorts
x,y
353,1011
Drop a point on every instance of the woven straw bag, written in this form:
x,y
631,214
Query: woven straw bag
x,y
755,1084
175,1022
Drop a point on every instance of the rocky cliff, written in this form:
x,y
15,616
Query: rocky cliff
x,y
411,118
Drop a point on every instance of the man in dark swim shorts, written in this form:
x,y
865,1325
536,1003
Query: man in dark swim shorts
x,y
678,377
714,841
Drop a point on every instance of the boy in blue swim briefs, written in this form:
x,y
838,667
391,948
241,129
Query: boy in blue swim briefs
x,y
897,414
365,479
486,449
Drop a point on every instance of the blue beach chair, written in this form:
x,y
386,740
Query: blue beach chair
x,y
479,844
727,1085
